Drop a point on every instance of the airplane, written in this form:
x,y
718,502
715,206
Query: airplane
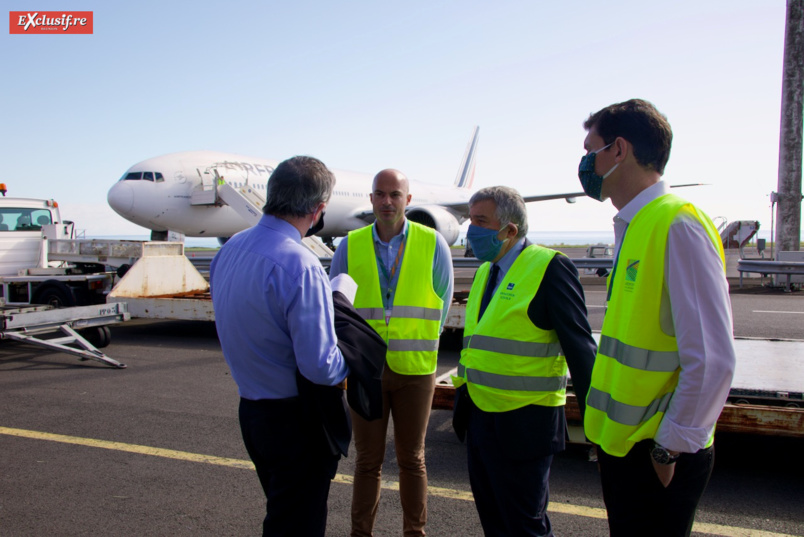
x,y
171,193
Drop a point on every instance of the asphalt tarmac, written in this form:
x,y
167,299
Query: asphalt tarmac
x,y
155,449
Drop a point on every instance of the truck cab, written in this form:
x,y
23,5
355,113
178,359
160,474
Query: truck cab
x,y
24,223
27,276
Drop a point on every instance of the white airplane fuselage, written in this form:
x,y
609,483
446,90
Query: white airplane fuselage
x,y
157,194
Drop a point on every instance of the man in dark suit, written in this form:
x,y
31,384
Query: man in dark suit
x,y
526,325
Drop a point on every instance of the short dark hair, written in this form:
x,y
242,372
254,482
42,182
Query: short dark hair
x,y
641,124
297,186
510,206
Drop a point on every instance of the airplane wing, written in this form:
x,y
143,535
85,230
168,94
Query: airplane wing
x,y
569,197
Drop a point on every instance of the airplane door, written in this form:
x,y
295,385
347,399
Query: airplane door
x,y
207,179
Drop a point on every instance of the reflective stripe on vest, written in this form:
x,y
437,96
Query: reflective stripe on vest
x,y
415,324
637,365
511,382
623,413
508,346
637,358
410,312
508,362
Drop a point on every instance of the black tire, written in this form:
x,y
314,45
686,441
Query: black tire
x,y
99,336
53,293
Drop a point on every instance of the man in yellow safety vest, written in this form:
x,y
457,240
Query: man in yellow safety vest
x,y
666,356
405,282
526,327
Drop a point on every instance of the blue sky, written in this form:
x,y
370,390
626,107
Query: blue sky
x,y
369,85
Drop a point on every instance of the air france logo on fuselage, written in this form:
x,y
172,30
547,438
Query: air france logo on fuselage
x,y
50,22
246,167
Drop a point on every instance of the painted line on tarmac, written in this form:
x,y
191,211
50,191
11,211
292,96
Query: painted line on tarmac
x,y
554,507
130,448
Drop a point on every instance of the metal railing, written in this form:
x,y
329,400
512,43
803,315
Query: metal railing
x,y
202,261
761,266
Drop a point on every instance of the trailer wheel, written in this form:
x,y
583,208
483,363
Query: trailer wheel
x,y
99,336
53,293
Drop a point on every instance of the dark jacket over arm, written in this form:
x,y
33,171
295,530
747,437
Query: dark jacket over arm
x,y
364,351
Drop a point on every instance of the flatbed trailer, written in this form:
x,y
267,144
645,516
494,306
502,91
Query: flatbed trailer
x,y
766,397
26,324
735,418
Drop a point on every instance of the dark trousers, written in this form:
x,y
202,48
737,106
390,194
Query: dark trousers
x,y
511,493
637,502
293,463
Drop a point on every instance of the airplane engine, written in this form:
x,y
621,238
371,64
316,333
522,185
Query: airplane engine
x,y
437,218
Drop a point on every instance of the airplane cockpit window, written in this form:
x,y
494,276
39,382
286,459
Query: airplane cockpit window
x,y
146,176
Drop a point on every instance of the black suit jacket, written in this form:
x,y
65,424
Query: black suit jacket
x,y
364,352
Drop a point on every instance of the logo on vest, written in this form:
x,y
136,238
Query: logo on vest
x,y
510,286
631,270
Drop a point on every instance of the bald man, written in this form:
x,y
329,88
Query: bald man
x,y
405,281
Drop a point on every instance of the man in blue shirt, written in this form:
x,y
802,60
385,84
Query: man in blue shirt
x,y
274,315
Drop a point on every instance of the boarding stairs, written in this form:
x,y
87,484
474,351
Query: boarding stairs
x,y
248,203
737,233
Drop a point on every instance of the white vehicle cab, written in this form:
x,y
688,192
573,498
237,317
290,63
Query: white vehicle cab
x,y
27,274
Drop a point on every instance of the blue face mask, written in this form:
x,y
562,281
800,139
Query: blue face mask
x,y
484,242
591,182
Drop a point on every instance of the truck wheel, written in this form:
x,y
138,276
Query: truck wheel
x,y
53,293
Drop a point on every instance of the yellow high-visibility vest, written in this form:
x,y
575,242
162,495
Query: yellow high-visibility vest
x,y
415,324
508,362
637,365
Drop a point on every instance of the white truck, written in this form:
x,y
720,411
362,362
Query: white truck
x,y
72,296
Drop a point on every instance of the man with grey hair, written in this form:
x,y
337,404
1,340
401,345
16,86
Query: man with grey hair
x,y
525,327
274,315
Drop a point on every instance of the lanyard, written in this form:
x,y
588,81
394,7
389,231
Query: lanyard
x,y
390,276
616,262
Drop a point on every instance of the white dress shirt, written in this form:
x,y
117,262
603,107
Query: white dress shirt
x,y
696,309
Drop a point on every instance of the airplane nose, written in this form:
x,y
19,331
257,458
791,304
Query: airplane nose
x,y
121,198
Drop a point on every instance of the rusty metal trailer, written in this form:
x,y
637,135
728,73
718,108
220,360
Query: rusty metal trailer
x,y
766,398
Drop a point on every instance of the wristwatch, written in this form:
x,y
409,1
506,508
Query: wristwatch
x,y
662,456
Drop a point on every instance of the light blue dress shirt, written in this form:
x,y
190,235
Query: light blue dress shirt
x,y
273,312
443,278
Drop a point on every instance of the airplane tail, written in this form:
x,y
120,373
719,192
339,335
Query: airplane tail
x,y
466,173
